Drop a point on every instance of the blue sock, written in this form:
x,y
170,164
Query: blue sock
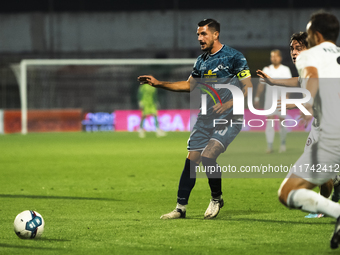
x,y
186,184
215,181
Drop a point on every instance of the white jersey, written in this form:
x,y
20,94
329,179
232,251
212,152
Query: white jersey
x,y
282,72
316,105
326,58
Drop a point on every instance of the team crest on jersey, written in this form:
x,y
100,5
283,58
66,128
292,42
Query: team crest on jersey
x,y
309,141
220,67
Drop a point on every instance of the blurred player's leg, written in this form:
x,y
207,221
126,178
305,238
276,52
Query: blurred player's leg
x,y
270,134
159,132
141,131
283,134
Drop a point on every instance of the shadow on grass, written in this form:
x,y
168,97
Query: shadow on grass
x,y
281,221
42,239
230,214
227,216
58,197
4,245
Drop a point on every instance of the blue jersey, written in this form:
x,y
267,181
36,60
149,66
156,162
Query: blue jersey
x,y
225,66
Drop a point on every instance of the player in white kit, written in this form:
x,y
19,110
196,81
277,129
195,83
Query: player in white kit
x,y
298,43
275,70
320,68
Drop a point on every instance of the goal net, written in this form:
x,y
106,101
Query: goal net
x,y
60,89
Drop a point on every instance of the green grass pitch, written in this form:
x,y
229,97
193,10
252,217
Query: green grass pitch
x,y
103,193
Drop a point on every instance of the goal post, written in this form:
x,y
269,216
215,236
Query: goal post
x,y
21,73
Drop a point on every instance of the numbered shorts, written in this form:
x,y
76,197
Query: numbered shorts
x,y
200,136
319,164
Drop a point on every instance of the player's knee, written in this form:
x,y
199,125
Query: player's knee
x,y
194,156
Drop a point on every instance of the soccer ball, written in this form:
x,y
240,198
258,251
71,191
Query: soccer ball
x,y
29,225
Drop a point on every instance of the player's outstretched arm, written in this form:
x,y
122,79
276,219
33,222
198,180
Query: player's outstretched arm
x,y
179,86
258,94
291,82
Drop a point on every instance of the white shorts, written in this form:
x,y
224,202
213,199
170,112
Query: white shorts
x,y
320,163
313,137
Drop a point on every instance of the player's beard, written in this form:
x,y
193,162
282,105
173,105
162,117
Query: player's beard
x,y
208,47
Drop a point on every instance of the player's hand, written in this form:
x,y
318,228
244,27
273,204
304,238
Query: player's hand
x,y
220,108
305,119
278,107
148,79
264,77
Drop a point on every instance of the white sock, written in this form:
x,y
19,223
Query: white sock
x,y
270,133
283,134
310,201
182,207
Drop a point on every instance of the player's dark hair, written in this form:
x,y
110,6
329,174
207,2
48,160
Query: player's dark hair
x,y
277,51
326,24
212,24
301,37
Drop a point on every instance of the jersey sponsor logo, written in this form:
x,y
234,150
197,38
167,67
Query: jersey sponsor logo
x,y
243,74
210,73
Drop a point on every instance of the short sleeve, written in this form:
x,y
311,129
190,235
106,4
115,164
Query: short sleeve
x,y
195,70
305,59
266,70
289,73
240,66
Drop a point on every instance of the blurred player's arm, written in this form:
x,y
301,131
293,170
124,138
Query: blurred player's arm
x,y
310,73
259,91
245,80
290,82
179,86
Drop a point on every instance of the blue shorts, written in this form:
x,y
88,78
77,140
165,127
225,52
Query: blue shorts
x,y
200,136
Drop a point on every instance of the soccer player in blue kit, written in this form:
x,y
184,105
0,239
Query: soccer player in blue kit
x,y
207,142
